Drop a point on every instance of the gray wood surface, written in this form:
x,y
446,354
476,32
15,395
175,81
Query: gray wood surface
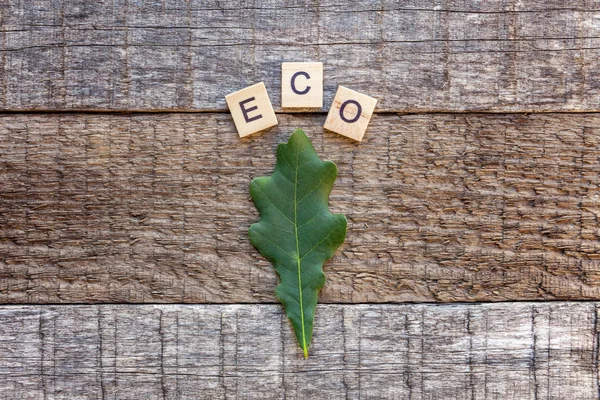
x,y
441,207
420,55
485,351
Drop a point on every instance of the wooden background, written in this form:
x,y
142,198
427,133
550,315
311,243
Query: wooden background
x,y
472,264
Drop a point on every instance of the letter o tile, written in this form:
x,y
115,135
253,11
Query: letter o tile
x,y
350,113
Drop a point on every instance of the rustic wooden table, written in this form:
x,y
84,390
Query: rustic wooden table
x,y
472,263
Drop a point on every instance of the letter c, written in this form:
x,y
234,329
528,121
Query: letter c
x,y
304,74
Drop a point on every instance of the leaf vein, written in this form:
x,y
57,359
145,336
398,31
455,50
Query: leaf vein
x,y
311,282
321,241
273,204
317,185
311,218
275,244
278,228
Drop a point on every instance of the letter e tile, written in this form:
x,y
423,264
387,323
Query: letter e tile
x,y
251,109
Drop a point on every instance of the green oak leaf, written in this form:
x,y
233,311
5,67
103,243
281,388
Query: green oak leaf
x,y
296,231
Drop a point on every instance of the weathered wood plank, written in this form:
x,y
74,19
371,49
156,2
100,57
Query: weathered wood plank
x,y
421,55
155,208
486,351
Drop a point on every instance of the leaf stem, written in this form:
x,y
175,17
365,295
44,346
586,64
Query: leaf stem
x,y
298,260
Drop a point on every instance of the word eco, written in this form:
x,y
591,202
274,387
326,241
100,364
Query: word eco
x,y
301,88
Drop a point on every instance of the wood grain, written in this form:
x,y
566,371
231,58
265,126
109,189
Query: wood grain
x,y
420,55
441,207
493,351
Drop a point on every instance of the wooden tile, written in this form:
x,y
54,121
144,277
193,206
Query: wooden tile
x,y
302,85
251,109
350,113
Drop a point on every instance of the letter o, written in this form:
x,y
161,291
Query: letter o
x,y
358,113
